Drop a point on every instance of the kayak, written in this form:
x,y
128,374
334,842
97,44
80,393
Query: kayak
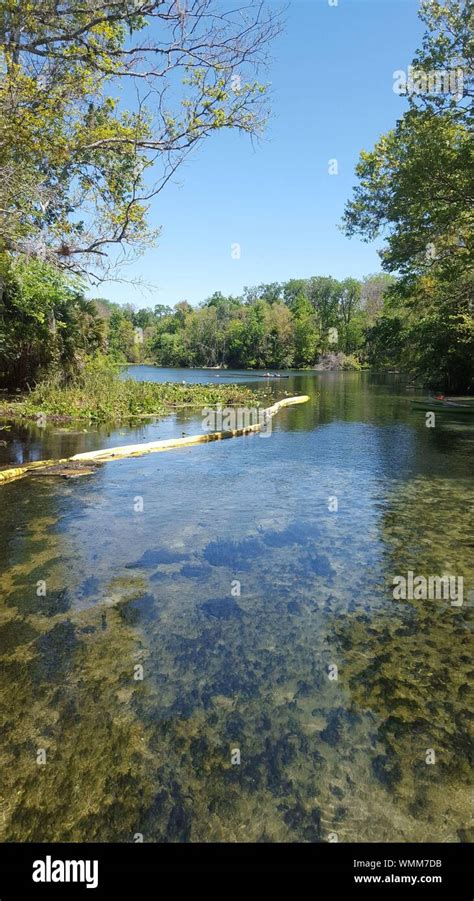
x,y
444,406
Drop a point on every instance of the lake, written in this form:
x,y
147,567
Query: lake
x,y
204,645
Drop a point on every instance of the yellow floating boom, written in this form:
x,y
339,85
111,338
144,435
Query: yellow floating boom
x,y
151,447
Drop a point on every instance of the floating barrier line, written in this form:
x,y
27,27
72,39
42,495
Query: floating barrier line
x,y
138,450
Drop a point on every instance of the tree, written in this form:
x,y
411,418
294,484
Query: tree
x,y
143,318
385,341
294,289
439,333
418,183
168,349
270,293
373,291
161,310
278,343
205,337
121,338
46,324
306,335
417,188
349,301
324,295
445,59
77,169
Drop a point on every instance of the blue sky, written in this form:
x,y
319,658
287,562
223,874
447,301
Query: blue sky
x,y
332,95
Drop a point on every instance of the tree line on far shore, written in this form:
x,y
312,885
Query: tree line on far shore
x,y
270,326
278,325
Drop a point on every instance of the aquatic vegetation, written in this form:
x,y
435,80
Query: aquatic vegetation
x,y
99,395
232,595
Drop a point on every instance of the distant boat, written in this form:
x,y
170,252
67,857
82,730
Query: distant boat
x,y
445,406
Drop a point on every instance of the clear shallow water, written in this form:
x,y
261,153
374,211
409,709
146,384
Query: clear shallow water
x,y
223,671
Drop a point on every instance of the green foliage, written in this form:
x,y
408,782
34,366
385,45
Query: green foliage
x,y
46,324
271,326
351,362
306,334
416,188
373,291
48,330
75,166
417,182
385,340
121,341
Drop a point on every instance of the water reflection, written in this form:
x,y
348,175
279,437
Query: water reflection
x,y
238,591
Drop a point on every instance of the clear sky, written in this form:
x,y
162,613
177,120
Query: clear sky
x,y
331,77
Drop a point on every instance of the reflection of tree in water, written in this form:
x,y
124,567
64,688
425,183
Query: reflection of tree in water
x,y
27,442
349,396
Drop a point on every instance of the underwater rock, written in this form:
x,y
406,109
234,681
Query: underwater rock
x,y
320,565
297,533
56,650
332,733
294,607
222,608
16,632
306,824
294,816
199,750
387,770
54,602
340,813
179,823
195,571
25,599
234,726
136,609
337,791
233,554
159,576
304,689
312,830
157,556
88,587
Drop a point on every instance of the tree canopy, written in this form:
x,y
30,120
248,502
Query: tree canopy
x,y
78,166
416,189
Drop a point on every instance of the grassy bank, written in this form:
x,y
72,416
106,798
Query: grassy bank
x,y
101,395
